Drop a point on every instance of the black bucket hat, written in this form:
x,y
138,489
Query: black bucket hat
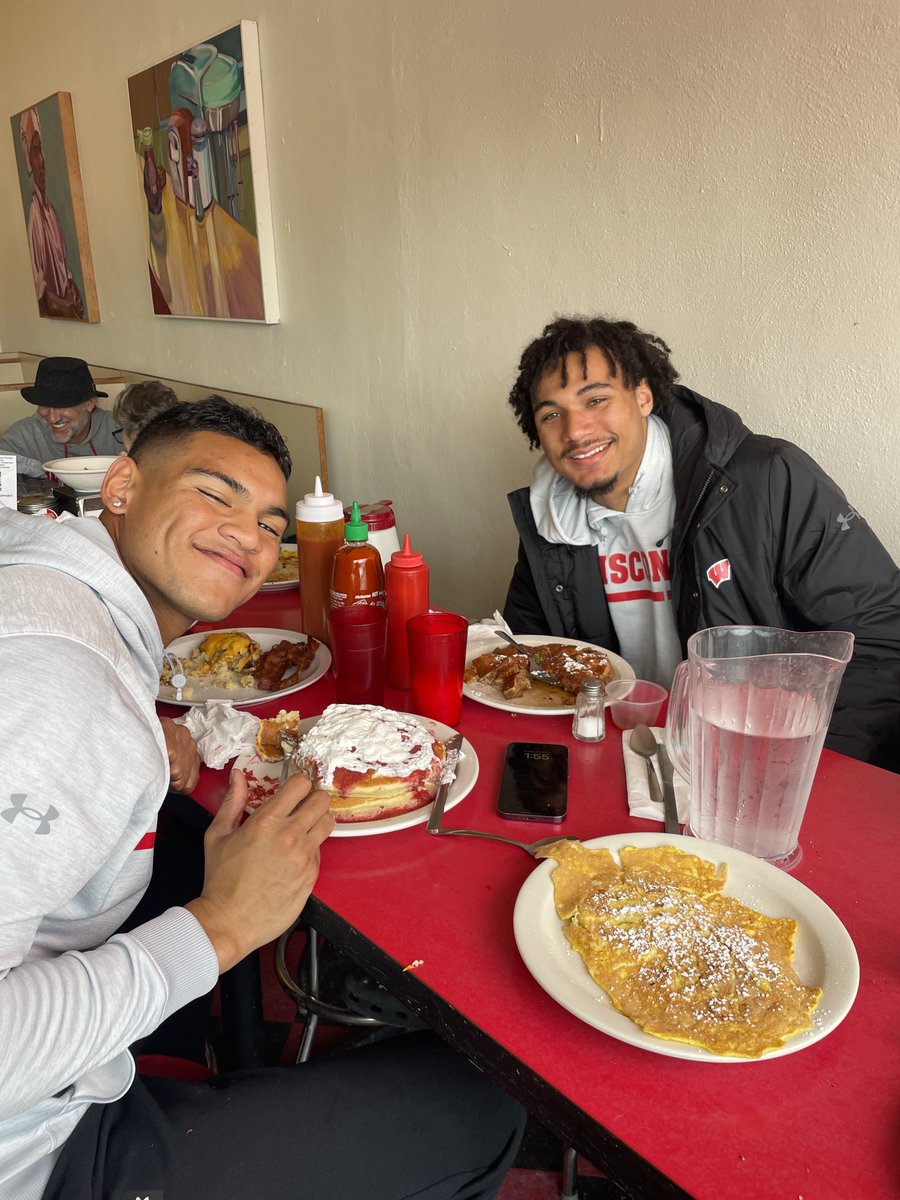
x,y
61,383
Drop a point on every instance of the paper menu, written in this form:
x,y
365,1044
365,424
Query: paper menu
x,y
8,488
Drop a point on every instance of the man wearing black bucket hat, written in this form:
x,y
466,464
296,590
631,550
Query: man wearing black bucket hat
x,y
67,423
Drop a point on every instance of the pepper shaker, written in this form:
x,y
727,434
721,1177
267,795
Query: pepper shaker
x,y
589,719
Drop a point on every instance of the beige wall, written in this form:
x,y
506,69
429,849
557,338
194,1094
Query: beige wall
x,y
446,176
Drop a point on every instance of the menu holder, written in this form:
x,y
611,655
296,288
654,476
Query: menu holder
x,y
8,487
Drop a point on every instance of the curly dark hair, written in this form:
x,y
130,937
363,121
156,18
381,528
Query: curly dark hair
x,y
215,414
637,354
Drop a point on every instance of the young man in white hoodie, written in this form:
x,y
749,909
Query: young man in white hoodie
x,y
654,512
191,528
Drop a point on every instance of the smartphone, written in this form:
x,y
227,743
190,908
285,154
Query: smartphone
x,y
535,782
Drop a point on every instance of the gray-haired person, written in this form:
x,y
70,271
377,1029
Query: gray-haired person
x,y
137,405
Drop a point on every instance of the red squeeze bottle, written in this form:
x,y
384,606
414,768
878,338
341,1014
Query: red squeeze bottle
x,y
406,586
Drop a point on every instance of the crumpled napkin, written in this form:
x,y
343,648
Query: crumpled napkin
x,y
639,802
220,730
486,628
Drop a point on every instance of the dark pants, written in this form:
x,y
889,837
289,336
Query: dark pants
x,y
406,1117
177,878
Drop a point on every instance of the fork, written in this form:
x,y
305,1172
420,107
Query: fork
x,y
437,809
529,847
535,670
289,743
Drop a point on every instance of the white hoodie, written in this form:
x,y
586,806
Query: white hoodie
x,y
633,551
84,769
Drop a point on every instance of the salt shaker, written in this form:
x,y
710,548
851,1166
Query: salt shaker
x,y
589,719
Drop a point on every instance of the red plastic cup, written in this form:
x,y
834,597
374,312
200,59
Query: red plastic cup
x,y
437,659
358,634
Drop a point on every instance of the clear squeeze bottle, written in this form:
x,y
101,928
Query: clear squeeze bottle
x,y
406,588
320,534
357,574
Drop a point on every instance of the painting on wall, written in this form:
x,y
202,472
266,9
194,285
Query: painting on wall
x,y
53,202
202,176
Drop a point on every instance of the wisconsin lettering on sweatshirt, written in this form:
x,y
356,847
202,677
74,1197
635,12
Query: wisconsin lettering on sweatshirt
x,y
636,575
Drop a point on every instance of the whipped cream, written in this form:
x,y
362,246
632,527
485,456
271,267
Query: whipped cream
x,y
366,737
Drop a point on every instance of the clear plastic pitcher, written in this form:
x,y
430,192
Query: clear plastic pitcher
x,y
748,714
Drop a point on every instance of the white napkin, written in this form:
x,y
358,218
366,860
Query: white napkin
x,y
479,631
220,730
639,802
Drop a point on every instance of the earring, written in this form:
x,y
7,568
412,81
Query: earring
x,y
117,503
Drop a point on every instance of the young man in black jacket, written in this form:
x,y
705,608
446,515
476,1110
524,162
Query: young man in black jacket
x,y
654,512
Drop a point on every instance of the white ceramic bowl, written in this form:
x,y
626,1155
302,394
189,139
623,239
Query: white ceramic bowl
x,y
83,474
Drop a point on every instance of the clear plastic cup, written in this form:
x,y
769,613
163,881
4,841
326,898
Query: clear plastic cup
x,y
635,702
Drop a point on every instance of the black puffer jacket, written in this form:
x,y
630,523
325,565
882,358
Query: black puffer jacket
x,y
800,558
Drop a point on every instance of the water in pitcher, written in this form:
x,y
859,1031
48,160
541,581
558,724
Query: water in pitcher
x,y
755,752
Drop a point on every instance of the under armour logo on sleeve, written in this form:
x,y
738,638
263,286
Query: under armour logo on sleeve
x,y
844,519
20,809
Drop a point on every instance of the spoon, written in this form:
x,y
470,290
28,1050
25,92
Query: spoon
x,y
644,743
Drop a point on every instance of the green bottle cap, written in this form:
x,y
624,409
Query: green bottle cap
x,y
356,530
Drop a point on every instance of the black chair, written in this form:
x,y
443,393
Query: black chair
x,y
364,1004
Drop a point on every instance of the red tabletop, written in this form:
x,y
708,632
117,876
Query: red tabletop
x,y
815,1124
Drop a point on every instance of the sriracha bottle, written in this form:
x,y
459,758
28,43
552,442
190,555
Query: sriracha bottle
x,y
406,585
357,576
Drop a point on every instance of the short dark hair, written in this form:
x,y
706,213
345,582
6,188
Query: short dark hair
x,y
637,354
137,405
215,414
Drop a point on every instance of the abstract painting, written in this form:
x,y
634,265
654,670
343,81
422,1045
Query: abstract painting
x,y
202,177
50,182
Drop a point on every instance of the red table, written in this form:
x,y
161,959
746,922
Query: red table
x,y
816,1124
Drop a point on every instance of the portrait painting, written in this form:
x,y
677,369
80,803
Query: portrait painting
x,y
53,203
202,180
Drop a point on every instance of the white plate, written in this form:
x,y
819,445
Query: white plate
x,y
485,694
267,638
825,956
466,774
282,585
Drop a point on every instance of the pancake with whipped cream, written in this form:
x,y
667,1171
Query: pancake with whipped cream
x,y
372,762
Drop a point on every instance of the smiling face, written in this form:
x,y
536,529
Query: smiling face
x,y
70,425
593,429
198,526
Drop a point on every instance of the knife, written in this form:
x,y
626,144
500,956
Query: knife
x,y
670,808
448,774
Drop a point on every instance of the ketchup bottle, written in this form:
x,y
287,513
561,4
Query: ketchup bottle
x,y
406,585
320,532
357,576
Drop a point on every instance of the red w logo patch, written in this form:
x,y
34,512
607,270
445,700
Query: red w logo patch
x,y
719,572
